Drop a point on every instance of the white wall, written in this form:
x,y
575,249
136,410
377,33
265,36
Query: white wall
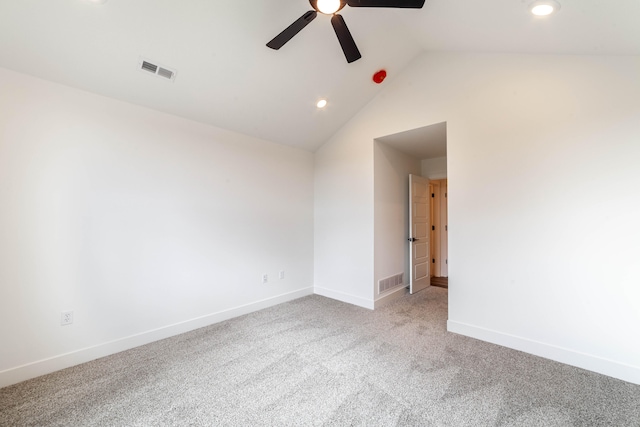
x,y
144,224
391,213
435,168
343,221
543,201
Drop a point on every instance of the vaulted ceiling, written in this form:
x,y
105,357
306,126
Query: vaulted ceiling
x,y
227,77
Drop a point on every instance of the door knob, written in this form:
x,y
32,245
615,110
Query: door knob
x,y
413,239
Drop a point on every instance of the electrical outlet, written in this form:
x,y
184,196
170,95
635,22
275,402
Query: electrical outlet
x,y
265,278
281,274
66,318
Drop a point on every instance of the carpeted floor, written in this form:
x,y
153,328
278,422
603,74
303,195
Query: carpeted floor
x,y
315,361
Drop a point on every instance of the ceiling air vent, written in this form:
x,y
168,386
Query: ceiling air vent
x,y
167,74
148,66
157,70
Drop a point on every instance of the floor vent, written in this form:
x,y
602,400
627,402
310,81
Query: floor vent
x,y
390,282
157,70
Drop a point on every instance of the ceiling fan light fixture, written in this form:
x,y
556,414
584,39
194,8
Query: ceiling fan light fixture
x,y
544,7
329,7
332,7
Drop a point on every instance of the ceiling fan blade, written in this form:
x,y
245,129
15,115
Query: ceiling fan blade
x,y
293,29
349,47
413,4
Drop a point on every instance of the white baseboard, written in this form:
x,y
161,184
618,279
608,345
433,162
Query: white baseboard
x,y
62,361
387,298
348,298
589,362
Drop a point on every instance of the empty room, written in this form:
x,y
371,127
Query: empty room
x,y
310,212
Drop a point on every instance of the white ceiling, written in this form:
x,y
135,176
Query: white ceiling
x,y
428,142
227,77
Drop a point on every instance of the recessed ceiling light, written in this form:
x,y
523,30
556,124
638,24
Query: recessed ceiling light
x,y
544,7
96,1
322,103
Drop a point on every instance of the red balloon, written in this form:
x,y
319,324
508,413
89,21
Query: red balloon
x,y
379,76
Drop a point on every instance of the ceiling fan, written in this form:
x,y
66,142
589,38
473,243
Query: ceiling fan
x,y
332,7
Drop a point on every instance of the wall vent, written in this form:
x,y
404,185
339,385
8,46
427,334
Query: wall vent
x,y
390,282
157,70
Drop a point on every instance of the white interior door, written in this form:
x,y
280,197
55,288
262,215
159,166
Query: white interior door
x,y
419,230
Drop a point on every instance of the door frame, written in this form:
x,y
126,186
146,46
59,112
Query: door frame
x,y
439,227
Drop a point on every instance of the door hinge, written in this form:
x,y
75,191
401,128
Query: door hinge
x,y
446,228
433,195
433,227
445,194
446,261
433,260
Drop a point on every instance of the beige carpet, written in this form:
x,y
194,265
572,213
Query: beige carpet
x,y
314,362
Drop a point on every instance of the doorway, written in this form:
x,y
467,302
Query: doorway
x,y
421,152
439,228
428,233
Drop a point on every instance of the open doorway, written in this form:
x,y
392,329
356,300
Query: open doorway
x,y
439,238
423,152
